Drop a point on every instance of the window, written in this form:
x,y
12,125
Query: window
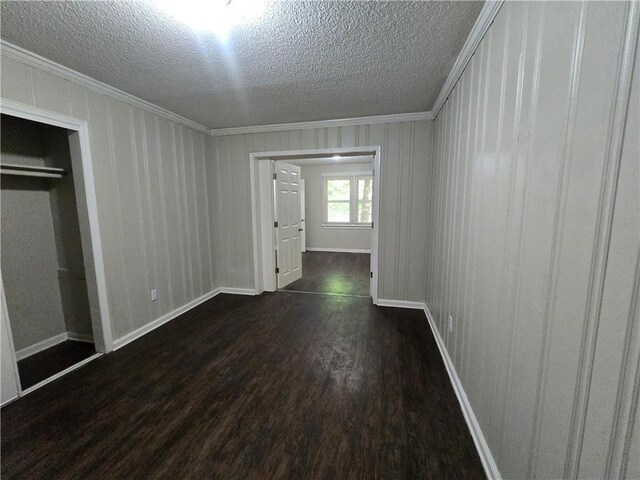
x,y
348,199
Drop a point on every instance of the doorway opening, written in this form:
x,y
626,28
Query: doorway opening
x,y
315,221
54,313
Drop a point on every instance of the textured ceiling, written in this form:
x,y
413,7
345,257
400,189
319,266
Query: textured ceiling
x,y
300,61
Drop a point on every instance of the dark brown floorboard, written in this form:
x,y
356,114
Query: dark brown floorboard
x,y
282,385
334,272
47,363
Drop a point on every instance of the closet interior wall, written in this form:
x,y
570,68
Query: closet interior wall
x,y
42,258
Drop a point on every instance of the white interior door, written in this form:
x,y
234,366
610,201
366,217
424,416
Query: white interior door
x,y
288,226
303,210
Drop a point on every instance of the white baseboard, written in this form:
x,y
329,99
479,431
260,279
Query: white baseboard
x,y
40,346
489,464
60,374
80,337
238,291
338,250
130,337
50,342
400,304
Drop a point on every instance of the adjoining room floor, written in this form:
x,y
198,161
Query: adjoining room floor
x,y
282,385
44,364
335,273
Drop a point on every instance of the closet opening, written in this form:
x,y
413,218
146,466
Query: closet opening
x,y
43,252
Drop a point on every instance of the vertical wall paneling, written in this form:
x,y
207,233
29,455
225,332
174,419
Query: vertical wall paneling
x,y
406,148
533,246
148,150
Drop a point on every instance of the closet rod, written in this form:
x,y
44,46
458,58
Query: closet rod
x,y
31,171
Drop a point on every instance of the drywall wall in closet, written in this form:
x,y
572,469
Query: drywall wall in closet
x,y
42,260
29,258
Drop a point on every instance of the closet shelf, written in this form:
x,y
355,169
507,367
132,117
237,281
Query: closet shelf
x,y
31,171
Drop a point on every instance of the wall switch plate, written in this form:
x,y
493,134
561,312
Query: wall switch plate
x,y
154,295
450,323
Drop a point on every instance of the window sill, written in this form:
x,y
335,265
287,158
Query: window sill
x,y
348,226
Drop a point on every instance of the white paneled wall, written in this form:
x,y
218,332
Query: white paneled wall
x,y
403,196
154,181
534,238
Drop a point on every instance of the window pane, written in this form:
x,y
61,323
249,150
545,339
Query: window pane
x,y
365,188
364,212
338,189
338,212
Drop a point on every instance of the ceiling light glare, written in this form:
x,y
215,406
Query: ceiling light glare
x,y
216,16
336,157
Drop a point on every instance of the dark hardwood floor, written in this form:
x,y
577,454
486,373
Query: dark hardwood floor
x,y
335,273
47,363
283,385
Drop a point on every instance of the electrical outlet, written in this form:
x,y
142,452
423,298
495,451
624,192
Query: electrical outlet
x,y
154,295
450,323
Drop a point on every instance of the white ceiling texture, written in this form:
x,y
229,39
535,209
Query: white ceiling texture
x,y
297,61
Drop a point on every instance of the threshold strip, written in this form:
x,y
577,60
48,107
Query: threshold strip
x,y
50,379
325,293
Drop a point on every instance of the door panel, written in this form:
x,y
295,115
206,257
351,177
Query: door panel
x,y
288,214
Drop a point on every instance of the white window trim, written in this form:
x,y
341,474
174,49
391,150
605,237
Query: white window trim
x,y
351,176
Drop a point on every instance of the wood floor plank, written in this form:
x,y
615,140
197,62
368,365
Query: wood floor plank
x,y
55,359
338,273
282,385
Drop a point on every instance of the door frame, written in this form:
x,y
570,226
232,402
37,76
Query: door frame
x,y
262,211
303,208
80,146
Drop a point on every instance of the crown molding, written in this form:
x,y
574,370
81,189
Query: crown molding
x,y
49,66
341,122
480,28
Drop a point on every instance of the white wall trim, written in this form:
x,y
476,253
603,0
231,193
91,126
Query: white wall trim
x,y
80,337
339,250
263,261
40,346
238,291
50,342
383,302
363,173
49,66
489,464
484,21
130,337
75,366
339,122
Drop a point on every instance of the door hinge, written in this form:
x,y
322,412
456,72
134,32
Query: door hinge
x,y
371,273
275,224
371,224
275,176
277,270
